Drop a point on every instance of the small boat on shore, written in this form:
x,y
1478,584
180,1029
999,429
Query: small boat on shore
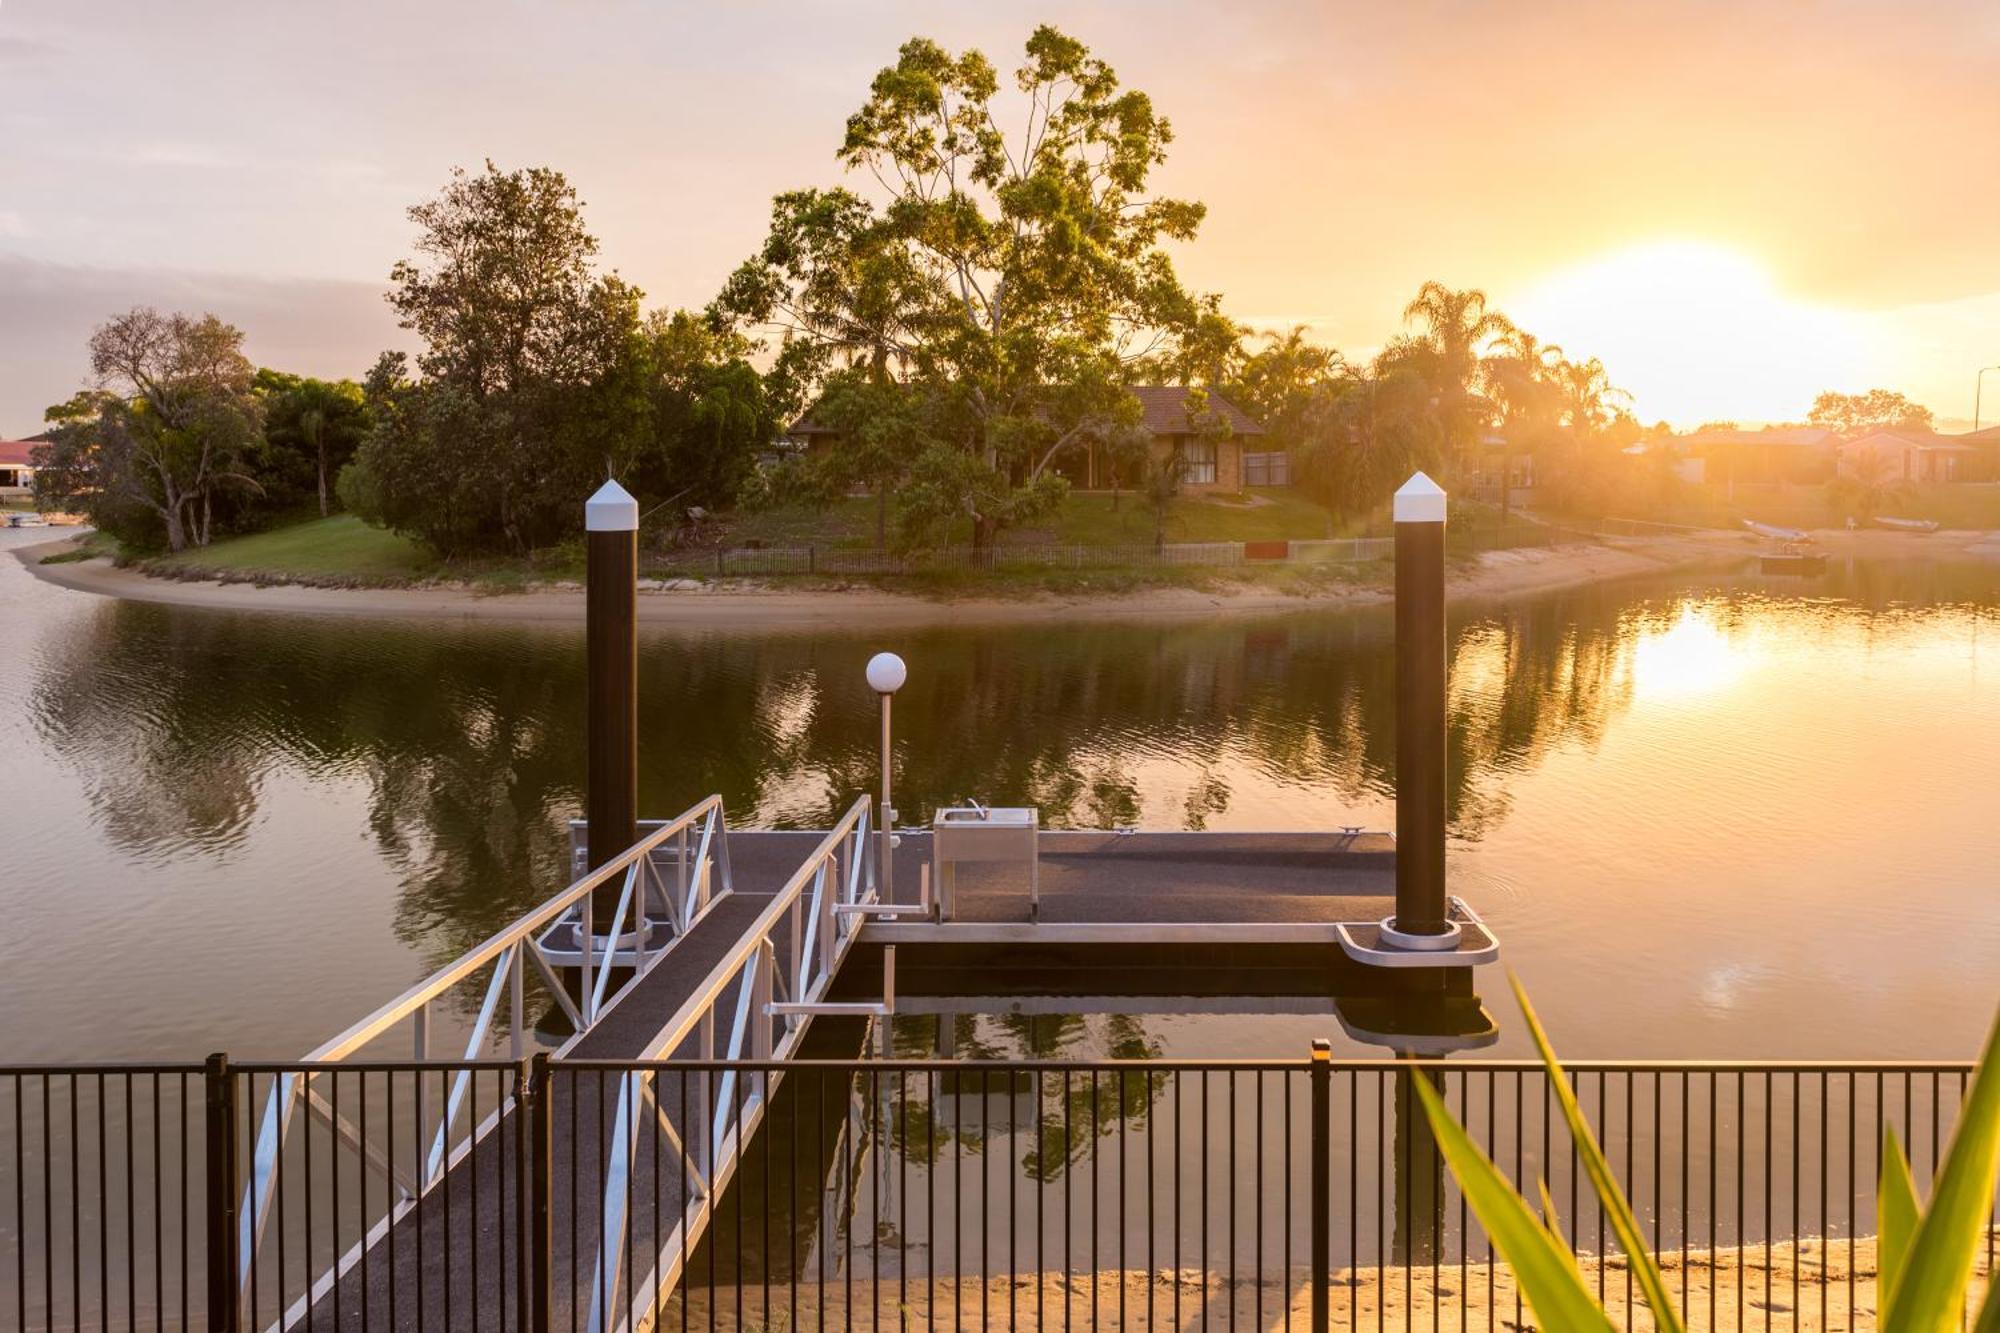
x,y
1905,524
1776,533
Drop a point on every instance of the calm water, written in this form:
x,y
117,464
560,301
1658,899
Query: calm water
x,y
1716,816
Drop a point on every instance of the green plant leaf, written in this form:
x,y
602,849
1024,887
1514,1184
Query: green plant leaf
x,y
1930,1295
1545,1269
1616,1209
1897,1213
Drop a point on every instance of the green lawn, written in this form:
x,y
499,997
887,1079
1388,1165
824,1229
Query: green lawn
x,y
341,546
343,549
1096,519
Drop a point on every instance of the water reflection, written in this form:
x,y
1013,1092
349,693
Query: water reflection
x,y
457,751
468,743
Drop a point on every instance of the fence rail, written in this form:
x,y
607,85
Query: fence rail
x,y
770,561
889,1192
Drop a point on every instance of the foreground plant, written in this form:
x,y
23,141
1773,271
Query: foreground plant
x,y
1925,1256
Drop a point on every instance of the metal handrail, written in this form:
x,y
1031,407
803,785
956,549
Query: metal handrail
x,y
508,950
523,927
840,871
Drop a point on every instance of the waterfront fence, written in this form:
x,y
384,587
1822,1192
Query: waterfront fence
x,y
1471,531
770,561
880,1193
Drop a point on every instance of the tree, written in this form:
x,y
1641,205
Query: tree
x,y
1289,385
1018,282
708,413
1858,413
1522,381
1589,400
531,388
882,429
1456,327
321,422
1865,486
171,423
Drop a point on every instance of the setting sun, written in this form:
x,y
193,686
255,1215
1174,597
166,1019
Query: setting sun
x,y
1698,332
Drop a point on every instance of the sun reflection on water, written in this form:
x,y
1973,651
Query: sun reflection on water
x,y
1693,655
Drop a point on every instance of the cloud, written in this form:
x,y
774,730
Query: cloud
x,y
180,155
303,325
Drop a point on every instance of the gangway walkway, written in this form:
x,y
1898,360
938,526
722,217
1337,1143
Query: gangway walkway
x,y
756,927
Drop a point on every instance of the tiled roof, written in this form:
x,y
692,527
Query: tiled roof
x,y
14,453
1165,409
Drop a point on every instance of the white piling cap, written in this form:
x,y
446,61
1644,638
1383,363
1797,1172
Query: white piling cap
x,y
1420,501
886,673
612,509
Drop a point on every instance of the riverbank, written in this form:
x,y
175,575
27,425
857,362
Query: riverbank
x,y
739,604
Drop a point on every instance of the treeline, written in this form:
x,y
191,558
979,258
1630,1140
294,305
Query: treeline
x,y
965,331
182,440
972,325
539,377
1461,394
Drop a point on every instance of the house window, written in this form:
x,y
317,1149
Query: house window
x,y
1198,462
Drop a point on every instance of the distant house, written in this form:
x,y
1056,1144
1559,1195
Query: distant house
x,y
1501,470
1782,453
17,474
1908,455
1983,463
1207,463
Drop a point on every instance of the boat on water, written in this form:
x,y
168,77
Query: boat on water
x,y
1792,558
1905,524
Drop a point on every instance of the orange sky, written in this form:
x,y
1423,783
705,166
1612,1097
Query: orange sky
x,y
1733,204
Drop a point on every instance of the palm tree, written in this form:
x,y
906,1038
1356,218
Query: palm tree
x,y
1522,380
1587,396
1456,326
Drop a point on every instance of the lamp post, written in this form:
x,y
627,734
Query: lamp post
x,y
886,674
1978,383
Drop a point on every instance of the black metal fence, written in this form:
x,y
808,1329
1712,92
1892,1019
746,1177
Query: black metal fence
x,y
892,1193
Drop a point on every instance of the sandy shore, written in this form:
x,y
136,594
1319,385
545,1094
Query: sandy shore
x,y
750,606
1802,1286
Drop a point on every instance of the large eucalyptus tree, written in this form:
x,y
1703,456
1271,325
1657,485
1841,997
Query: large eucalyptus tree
x,y
1017,276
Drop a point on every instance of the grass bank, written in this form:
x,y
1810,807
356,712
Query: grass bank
x,y
343,552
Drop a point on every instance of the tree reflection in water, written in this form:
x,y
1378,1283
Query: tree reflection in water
x,y
465,742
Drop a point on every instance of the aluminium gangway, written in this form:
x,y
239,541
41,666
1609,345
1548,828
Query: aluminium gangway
x,y
748,934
